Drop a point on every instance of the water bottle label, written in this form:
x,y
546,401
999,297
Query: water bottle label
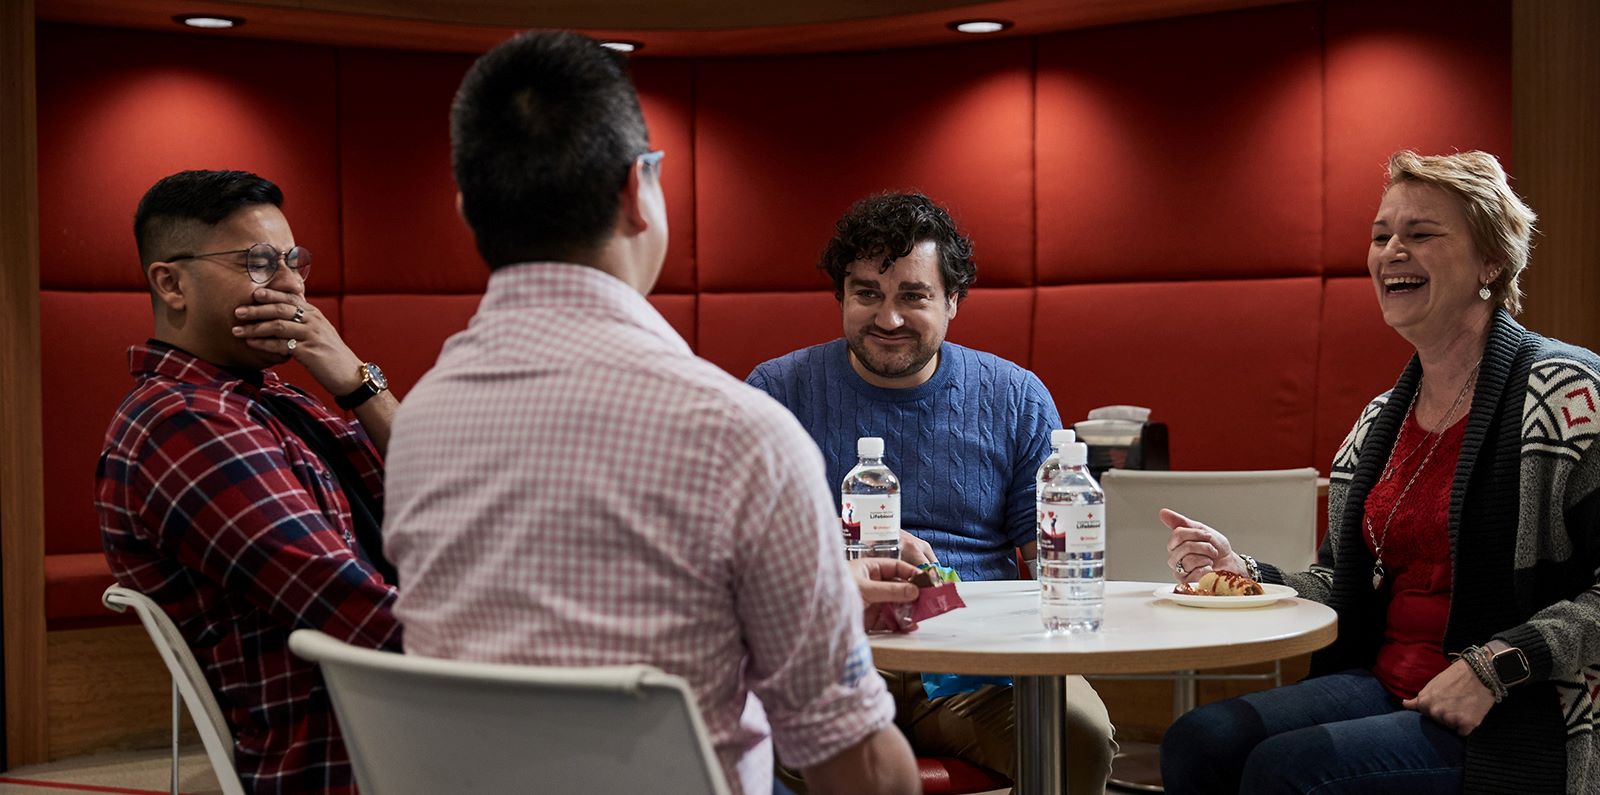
x,y
1083,527
870,518
1051,535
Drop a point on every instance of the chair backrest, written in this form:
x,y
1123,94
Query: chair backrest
x,y
421,725
189,679
1268,514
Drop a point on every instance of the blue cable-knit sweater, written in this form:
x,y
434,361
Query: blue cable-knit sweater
x,y
966,444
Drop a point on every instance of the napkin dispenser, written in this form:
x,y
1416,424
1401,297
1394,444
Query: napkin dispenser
x,y
1123,437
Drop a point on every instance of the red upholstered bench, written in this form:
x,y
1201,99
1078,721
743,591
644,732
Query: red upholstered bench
x,y
73,583
942,775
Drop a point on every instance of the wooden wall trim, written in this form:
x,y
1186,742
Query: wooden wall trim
x,y
1556,161
21,445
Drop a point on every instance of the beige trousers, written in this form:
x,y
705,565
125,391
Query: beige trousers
x,y
980,727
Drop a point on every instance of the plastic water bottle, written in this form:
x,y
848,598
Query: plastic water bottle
x,y
869,505
1072,545
1047,470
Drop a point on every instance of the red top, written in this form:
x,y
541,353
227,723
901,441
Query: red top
x,y
1416,556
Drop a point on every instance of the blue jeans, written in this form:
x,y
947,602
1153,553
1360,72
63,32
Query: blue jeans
x,y
1332,734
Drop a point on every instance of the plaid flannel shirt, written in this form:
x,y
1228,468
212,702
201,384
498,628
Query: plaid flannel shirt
x,y
225,518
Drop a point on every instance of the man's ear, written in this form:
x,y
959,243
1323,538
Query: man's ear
x,y
166,285
631,216
955,303
461,206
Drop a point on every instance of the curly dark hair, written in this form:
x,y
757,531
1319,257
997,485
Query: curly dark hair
x,y
886,227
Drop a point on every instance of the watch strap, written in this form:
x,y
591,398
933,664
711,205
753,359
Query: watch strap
x,y
369,389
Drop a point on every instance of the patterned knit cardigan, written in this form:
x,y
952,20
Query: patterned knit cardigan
x,y
1525,545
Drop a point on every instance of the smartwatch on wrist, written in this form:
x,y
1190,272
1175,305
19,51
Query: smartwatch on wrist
x,y
1510,666
372,382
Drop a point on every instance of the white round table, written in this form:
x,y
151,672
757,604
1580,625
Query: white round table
x,y
999,633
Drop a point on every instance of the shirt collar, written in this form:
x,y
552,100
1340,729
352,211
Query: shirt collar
x,y
563,286
156,357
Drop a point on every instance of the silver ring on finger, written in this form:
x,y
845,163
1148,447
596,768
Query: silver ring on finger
x,y
1178,569
291,343
299,314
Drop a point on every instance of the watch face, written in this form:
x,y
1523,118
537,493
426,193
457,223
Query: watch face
x,y
1511,666
377,376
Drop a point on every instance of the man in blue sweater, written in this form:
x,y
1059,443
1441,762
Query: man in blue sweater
x,y
964,430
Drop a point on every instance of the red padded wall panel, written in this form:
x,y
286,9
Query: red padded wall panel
x,y
679,310
738,331
1228,365
1360,358
398,196
996,320
403,333
666,93
120,109
1183,149
785,145
402,232
1424,75
84,339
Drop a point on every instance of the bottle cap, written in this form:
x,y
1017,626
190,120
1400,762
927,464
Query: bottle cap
x,y
870,447
1062,436
1075,454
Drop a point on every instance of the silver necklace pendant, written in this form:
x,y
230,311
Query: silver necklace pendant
x,y
1377,575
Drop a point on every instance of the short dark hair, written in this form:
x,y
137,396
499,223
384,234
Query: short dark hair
x,y
886,227
542,133
175,204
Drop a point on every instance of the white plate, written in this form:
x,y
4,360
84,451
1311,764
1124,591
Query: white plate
x,y
1273,594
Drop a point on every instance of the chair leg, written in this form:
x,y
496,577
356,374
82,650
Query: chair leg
x,y
175,700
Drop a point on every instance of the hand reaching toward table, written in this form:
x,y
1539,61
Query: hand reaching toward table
x,y
915,551
882,580
1194,548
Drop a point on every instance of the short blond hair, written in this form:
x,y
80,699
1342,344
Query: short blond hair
x,y
1502,225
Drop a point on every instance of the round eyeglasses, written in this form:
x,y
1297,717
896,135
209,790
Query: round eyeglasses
x,y
261,260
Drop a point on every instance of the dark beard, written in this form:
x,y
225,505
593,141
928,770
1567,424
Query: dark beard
x,y
919,358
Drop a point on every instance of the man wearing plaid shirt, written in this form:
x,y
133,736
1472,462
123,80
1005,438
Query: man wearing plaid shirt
x,y
571,485
240,504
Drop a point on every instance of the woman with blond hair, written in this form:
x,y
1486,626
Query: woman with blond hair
x,y
1463,538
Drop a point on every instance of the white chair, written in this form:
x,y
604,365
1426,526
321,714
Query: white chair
x,y
1270,515
188,683
420,725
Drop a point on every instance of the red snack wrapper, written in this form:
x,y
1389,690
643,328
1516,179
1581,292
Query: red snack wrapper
x,y
930,602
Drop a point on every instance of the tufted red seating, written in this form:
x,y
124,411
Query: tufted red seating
x,y
942,775
1184,228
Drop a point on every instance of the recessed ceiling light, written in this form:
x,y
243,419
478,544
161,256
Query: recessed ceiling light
x,y
208,21
622,45
980,25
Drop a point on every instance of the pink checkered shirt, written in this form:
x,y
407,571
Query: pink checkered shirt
x,y
571,485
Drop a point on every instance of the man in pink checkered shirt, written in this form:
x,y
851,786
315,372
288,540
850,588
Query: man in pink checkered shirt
x,y
571,485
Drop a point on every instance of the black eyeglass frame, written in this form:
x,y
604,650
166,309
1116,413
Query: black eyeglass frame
x,y
300,254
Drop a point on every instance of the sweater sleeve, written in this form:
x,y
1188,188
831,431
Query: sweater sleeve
x,y
1558,548
1038,417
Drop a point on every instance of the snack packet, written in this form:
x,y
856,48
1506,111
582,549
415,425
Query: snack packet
x,y
937,595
